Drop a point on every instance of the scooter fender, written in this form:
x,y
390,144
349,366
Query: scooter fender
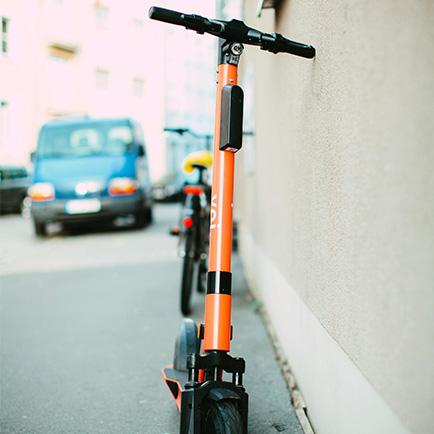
x,y
187,343
218,394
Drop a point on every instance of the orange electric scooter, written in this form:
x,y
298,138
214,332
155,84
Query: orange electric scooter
x,y
205,381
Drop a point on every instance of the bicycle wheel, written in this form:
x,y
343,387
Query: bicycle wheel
x,y
187,278
222,417
203,242
201,276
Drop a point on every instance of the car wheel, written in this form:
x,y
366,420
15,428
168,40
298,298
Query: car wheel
x,y
149,215
40,229
140,220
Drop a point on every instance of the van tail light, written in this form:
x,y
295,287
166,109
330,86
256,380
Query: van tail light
x,y
195,190
41,191
187,222
122,186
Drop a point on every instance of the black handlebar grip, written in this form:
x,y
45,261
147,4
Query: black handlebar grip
x,y
276,43
283,45
166,15
302,50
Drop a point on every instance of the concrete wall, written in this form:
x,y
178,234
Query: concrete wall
x,y
335,200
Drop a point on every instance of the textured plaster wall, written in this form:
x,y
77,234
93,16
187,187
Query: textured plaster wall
x,y
341,197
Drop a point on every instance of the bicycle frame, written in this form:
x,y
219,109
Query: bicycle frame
x,y
193,243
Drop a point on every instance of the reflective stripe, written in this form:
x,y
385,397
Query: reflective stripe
x,y
219,282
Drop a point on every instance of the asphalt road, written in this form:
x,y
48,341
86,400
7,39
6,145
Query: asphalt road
x,y
88,320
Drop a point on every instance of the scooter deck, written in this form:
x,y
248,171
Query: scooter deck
x,y
175,381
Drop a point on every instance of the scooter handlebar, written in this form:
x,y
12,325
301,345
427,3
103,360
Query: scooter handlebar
x,y
233,31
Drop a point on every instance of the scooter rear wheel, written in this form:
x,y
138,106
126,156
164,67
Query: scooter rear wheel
x,y
222,417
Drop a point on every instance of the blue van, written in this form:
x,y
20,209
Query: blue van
x,y
90,170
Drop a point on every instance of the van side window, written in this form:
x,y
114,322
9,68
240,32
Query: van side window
x,y
119,139
138,134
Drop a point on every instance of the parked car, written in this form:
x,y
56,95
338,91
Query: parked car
x,y
90,170
14,182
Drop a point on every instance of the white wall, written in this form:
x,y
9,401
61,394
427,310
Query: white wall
x,y
18,81
339,204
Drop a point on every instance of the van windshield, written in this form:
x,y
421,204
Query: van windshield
x,y
84,140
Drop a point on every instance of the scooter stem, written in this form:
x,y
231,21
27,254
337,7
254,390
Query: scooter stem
x,y
218,300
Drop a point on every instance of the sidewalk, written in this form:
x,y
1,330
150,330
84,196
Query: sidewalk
x,y
86,333
270,409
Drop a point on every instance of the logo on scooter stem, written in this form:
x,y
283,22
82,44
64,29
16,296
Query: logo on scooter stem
x,y
214,212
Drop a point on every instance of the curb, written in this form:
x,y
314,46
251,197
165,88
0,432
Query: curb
x,y
294,393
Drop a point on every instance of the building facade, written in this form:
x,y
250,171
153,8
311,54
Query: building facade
x,y
18,77
335,206
190,74
61,58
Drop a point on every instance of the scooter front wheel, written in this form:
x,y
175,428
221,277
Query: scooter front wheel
x,y
222,417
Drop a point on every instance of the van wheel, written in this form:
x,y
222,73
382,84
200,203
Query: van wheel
x,y
149,215
140,220
40,229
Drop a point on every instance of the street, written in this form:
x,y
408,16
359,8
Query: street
x,y
89,319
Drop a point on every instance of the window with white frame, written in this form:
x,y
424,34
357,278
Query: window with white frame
x,y
60,52
138,23
101,15
248,81
101,79
4,122
138,87
4,35
266,4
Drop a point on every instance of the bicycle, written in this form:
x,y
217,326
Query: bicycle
x,y
209,402
194,228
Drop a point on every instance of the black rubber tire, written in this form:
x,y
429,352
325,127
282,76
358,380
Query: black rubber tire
x,y
149,215
201,277
40,229
187,283
140,220
222,417
20,206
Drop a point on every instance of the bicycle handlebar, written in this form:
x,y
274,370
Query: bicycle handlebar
x,y
233,31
